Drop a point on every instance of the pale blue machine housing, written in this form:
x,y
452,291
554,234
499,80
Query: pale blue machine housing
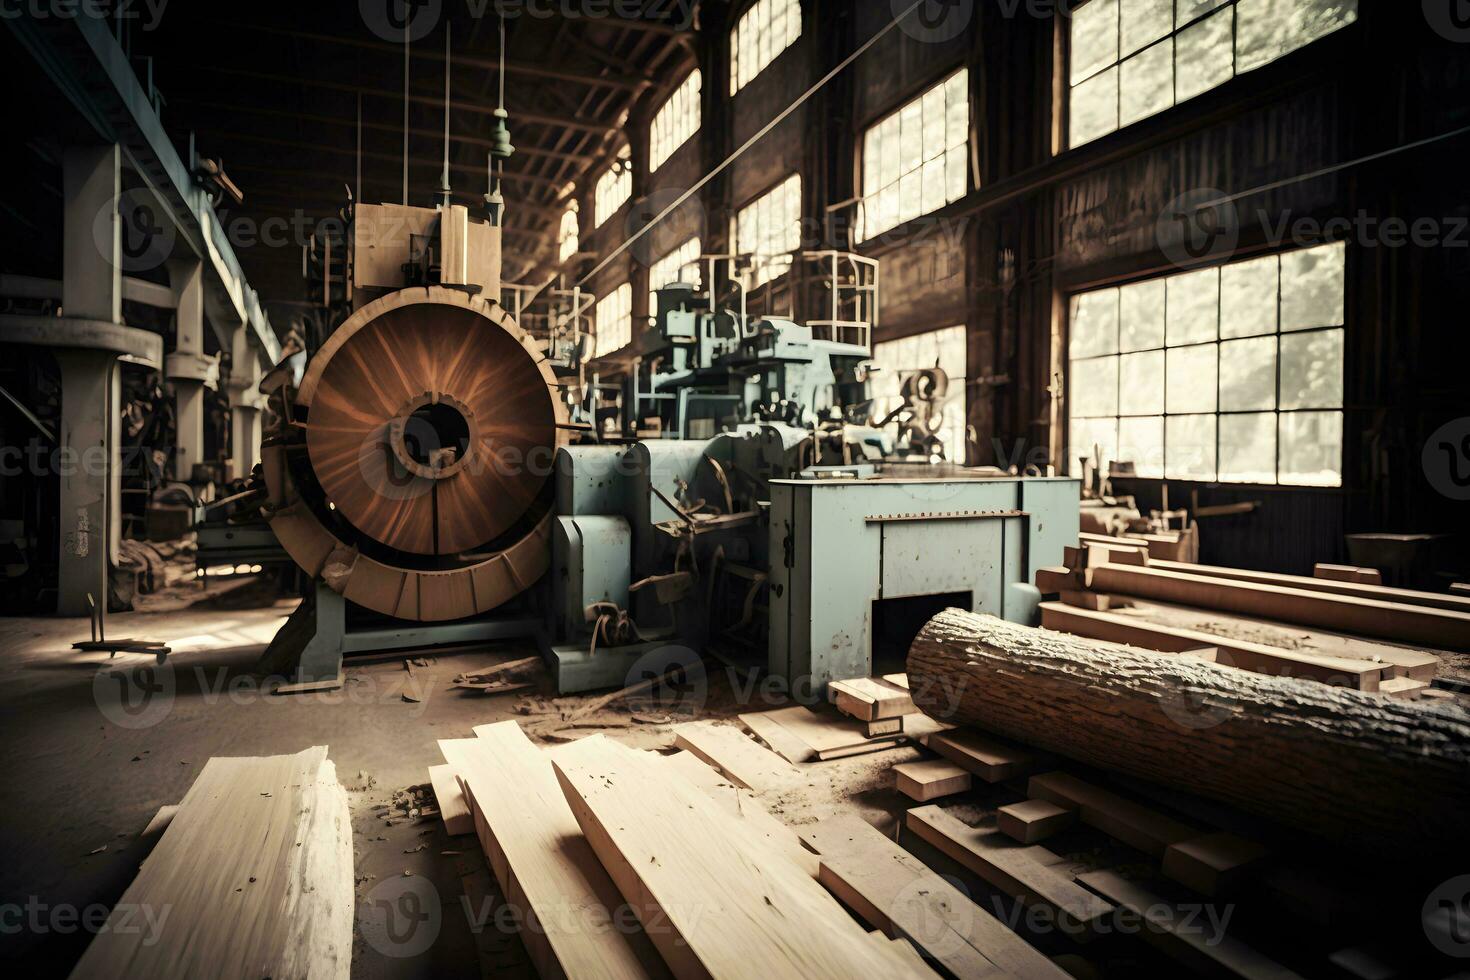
x,y
826,550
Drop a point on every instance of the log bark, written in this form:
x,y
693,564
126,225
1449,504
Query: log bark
x,y
1357,768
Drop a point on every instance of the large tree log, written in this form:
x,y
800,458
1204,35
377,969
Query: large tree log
x,y
1357,768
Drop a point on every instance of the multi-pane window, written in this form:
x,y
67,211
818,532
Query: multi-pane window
x,y
613,319
915,160
1133,58
769,229
899,360
1231,374
680,265
613,188
568,240
764,31
676,121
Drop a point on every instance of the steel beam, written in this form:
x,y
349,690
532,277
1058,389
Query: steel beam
x,y
429,52
436,101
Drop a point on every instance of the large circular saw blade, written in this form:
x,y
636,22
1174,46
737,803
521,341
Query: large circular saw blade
x,y
431,427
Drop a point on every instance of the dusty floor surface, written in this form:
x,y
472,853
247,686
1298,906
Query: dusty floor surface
x,y
94,747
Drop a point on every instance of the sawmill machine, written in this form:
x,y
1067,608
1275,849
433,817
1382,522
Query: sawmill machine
x,y
409,470
421,470
761,517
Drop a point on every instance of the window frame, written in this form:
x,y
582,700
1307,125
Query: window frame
x,y
1277,411
573,216
733,60
739,246
653,274
619,175
696,105
1066,87
624,321
958,386
916,94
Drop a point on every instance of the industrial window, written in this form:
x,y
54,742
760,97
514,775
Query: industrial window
x,y
769,229
613,188
568,245
896,360
764,31
915,160
1133,58
613,319
680,265
1231,374
675,121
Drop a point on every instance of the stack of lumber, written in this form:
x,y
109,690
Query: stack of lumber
x,y
593,833
1353,767
252,877
1351,633
801,734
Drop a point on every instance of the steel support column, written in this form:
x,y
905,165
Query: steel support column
x,y
89,440
189,370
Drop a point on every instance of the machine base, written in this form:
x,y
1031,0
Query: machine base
x,y
575,671
307,652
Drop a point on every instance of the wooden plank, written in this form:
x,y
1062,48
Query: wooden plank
x,y
160,820
882,728
452,806
891,890
1255,657
829,736
548,873
1028,873
930,779
723,907
987,758
1134,824
280,907
746,763
781,741
1180,934
1359,589
1052,580
1212,864
920,728
1033,821
1369,617
1347,573
870,699
1402,687
743,805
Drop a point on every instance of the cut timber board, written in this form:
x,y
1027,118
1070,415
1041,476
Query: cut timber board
x,y
893,891
452,806
1345,587
747,764
742,804
830,736
708,891
1135,631
547,872
1178,932
781,741
871,699
1028,873
1395,621
1134,824
930,779
1213,863
280,907
987,758
1033,821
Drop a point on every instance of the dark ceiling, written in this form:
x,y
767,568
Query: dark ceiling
x,y
273,91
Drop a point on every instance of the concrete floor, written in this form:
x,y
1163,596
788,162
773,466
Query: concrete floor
x,y
96,747
92,755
